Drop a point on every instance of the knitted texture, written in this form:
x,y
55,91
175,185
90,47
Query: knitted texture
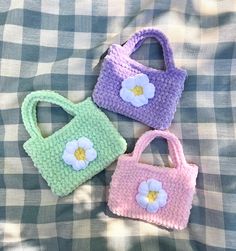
x,y
88,123
176,185
119,66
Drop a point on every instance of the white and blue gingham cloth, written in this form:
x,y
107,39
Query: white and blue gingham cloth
x,y
59,45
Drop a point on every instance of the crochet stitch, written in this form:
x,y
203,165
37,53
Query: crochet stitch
x,y
89,130
155,111
162,196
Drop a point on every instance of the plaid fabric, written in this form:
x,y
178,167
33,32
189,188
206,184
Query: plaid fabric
x,y
58,45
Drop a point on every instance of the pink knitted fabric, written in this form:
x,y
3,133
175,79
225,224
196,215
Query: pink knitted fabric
x,y
177,185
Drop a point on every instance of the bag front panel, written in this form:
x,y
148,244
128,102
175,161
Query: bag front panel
x,y
160,108
179,189
47,153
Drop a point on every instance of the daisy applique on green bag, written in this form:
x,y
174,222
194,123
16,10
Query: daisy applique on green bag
x,y
76,152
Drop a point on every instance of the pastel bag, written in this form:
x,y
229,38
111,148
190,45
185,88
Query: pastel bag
x,y
145,94
159,195
76,152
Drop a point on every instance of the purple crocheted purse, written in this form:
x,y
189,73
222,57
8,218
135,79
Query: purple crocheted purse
x,y
145,94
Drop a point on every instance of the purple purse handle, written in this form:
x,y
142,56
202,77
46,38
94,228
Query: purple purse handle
x,y
138,38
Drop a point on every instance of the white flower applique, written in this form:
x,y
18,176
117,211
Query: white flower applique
x,y
151,196
79,153
137,90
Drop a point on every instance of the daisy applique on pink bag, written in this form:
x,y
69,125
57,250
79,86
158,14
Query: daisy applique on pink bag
x,y
159,195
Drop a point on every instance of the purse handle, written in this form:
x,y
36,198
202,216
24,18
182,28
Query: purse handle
x,y
29,105
138,38
175,148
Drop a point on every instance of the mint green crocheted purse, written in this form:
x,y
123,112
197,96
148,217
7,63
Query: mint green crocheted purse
x,y
76,152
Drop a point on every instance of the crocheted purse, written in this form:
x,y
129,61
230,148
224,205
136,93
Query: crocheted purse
x,y
162,196
136,91
76,152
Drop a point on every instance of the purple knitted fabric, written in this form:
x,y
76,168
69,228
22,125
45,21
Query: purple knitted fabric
x,y
152,104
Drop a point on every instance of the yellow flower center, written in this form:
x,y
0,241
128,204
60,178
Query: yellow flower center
x,y
137,90
80,154
152,195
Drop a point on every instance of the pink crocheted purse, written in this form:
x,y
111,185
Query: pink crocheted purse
x,y
162,196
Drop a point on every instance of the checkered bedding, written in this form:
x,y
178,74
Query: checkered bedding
x,y
59,45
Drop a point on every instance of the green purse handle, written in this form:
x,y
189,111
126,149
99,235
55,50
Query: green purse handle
x,y
29,105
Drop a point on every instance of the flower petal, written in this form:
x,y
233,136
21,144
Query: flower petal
x,y
139,101
142,98
136,103
126,95
143,188
68,158
71,146
128,83
162,201
162,194
149,90
141,79
91,154
142,200
85,143
79,164
154,185
153,207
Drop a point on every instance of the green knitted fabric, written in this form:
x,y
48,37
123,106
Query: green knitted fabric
x,y
46,153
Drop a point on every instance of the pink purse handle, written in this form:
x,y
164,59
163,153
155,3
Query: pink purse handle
x,y
175,148
138,38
